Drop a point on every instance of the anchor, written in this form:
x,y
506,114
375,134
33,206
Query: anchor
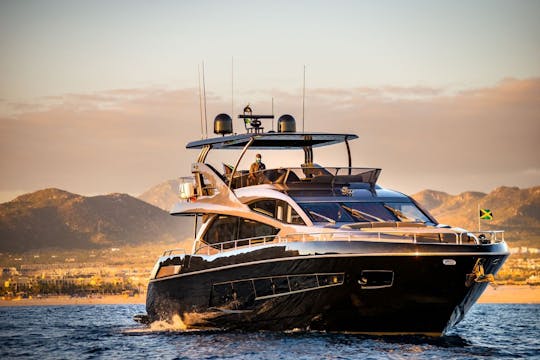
x,y
478,275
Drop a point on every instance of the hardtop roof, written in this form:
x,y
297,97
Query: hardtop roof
x,y
272,140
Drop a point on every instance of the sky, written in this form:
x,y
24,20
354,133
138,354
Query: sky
x,y
99,96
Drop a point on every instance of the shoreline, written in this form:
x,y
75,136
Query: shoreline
x,y
503,294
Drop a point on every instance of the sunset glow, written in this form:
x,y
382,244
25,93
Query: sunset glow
x,y
102,97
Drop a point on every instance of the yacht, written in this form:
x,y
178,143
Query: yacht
x,y
313,247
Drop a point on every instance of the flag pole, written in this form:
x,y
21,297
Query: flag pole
x,y
478,214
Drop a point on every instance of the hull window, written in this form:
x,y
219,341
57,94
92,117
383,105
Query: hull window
x,y
235,295
281,285
242,293
376,279
221,294
303,282
263,287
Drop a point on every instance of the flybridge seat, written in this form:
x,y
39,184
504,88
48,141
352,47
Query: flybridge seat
x,y
328,176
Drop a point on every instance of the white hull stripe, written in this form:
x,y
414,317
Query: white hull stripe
x,y
445,254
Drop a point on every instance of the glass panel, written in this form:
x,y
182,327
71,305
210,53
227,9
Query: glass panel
x,y
263,287
407,212
221,294
303,282
369,212
243,291
281,285
330,279
223,228
250,229
295,218
265,207
326,212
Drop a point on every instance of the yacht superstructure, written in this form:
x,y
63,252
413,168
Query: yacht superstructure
x,y
314,247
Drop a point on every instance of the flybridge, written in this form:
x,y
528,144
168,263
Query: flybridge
x,y
285,138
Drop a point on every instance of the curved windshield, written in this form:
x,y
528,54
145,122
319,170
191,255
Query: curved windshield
x,y
350,212
407,212
326,212
376,212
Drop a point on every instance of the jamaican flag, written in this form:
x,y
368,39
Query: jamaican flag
x,y
486,214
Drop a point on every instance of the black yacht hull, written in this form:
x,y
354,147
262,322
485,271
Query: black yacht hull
x,y
340,286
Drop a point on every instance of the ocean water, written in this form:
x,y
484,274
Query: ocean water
x,y
108,332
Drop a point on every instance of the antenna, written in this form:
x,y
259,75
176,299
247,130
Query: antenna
x,y
200,101
204,92
303,98
272,113
232,86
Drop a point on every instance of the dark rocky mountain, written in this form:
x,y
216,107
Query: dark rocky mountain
x,y
515,210
54,218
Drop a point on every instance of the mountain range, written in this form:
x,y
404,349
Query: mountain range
x,y
515,210
54,218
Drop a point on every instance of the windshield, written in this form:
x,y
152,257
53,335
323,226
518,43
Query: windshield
x,y
326,212
407,212
352,212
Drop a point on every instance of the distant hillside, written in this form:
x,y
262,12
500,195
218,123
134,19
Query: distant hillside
x,y
163,195
517,211
54,218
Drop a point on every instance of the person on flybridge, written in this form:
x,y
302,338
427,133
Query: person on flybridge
x,y
254,175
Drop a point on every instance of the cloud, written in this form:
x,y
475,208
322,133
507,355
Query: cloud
x,y
126,140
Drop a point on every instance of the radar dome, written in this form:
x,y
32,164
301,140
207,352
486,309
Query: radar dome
x,y
223,124
286,123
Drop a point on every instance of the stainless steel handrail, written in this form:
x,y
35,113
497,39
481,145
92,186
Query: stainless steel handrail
x,y
494,238
282,175
388,235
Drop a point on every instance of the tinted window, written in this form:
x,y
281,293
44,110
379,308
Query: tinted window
x,y
223,228
263,287
265,207
369,212
407,212
251,229
277,209
326,212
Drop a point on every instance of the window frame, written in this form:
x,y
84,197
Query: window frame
x,y
237,224
287,212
